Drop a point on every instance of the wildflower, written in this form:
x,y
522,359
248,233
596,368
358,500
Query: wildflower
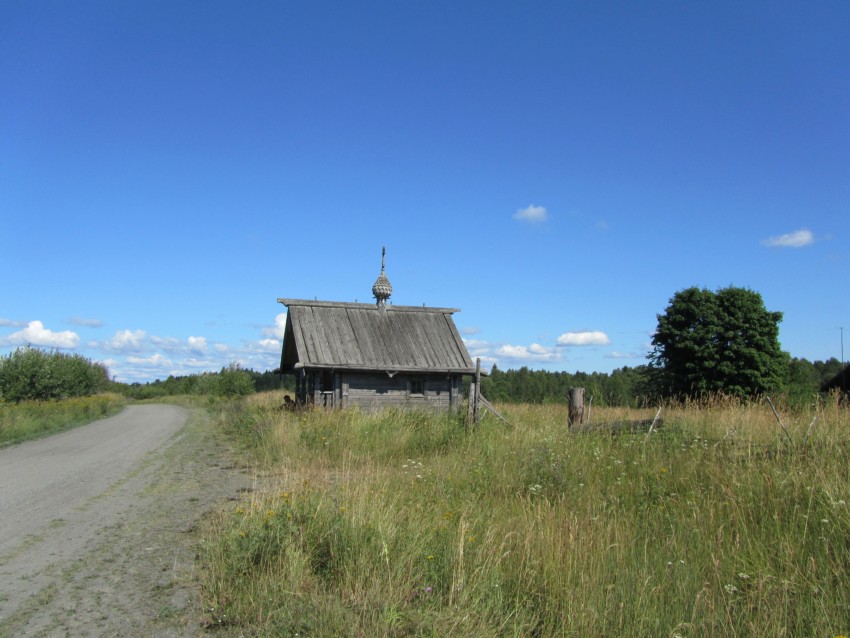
x,y
730,588
743,576
242,534
430,557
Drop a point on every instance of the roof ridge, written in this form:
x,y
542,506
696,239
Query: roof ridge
x,y
364,306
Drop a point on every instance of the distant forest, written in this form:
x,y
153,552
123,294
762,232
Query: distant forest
x,y
623,387
628,386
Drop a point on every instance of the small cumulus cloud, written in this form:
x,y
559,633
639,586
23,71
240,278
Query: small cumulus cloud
x,y
167,344
797,239
125,341
198,345
194,362
269,344
477,348
532,213
534,352
278,329
37,335
153,360
135,368
586,338
12,324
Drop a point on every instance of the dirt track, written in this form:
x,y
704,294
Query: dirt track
x,y
96,525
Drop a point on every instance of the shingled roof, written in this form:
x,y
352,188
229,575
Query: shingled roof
x,y
359,336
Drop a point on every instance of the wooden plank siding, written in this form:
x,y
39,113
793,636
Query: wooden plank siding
x,y
369,391
350,354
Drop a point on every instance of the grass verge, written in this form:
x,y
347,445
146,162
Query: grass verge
x,y
31,419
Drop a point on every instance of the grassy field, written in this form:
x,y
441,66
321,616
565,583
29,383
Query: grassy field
x,y
722,523
31,419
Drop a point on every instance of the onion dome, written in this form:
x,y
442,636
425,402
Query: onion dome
x,y
382,288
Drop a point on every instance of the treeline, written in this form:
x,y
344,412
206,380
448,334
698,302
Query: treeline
x,y
621,387
229,381
631,387
30,374
34,374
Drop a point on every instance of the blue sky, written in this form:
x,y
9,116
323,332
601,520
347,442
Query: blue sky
x,y
556,170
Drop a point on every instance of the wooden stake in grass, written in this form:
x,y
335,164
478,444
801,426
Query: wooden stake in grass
x,y
787,441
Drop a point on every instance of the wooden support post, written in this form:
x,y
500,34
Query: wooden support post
x,y
470,408
476,409
576,407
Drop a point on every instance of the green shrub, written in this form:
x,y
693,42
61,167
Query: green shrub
x,y
235,382
232,381
32,374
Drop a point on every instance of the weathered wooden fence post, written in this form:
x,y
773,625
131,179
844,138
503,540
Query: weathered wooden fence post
x,y
476,410
576,409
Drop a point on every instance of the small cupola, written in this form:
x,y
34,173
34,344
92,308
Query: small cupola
x,y
382,288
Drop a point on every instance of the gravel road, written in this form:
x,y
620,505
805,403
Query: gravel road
x,y
96,525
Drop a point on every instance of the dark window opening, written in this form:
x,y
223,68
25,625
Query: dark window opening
x,y
416,386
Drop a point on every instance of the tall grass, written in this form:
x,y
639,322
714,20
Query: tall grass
x,y
403,524
30,419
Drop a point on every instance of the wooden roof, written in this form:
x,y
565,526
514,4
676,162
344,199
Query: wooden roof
x,y
359,336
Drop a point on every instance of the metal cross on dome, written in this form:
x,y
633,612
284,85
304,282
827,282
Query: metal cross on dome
x,y
382,288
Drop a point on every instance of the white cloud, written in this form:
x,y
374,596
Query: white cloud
x,y
797,239
37,335
587,338
532,214
198,345
153,360
167,344
277,331
12,324
270,344
87,323
477,348
192,362
534,352
125,341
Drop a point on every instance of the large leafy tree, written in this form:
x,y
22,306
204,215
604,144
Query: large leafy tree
x,y
717,342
